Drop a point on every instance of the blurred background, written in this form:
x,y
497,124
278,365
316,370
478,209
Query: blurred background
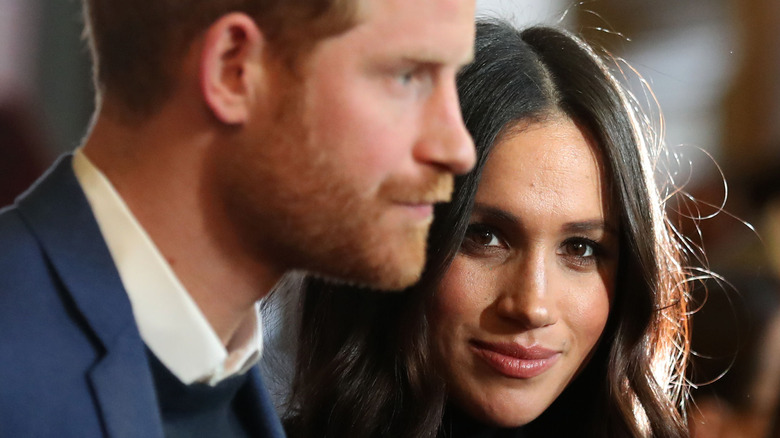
x,y
712,66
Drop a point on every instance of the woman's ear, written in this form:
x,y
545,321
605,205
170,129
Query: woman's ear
x,y
231,69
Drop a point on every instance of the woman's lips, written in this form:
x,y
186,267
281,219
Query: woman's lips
x,y
515,361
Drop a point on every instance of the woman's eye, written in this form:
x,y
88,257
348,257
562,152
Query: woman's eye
x,y
482,235
580,249
582,253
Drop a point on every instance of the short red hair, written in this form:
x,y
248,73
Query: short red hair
x,y
137,44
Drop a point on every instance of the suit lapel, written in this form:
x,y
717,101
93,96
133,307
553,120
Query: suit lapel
x,y
123,387
60,216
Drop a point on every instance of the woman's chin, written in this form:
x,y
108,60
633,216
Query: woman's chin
x,y
507,417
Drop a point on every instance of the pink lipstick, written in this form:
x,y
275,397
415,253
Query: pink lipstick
x,y
515,361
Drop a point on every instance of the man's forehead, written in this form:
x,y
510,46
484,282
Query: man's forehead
x,y
436,31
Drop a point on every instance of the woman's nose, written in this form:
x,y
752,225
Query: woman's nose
x,y
526,296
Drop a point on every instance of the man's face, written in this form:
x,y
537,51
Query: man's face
x,y
340,178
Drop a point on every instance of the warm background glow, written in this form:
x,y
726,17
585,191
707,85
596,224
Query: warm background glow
x,y
713,67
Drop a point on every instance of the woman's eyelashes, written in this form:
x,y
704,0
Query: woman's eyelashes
x,y
482,239
578,252
582,252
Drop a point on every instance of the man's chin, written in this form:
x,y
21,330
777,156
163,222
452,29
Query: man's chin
x,y
393,274
398,281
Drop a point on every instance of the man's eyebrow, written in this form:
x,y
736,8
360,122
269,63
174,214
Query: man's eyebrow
x,y
434,58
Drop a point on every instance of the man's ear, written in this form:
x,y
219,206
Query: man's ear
x,y
231,67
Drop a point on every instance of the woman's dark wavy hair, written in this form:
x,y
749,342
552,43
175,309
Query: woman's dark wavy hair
x,y
364,367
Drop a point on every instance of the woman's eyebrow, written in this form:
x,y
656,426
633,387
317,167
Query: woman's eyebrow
x,y
570,227
496,213
589,225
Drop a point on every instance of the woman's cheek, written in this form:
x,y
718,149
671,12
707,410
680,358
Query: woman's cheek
x,y
461,294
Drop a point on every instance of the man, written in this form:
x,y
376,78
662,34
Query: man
x,y
235,140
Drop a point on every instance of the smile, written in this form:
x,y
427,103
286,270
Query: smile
x,y
515,361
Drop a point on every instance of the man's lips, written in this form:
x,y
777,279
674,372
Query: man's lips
x,y
421,209
514,360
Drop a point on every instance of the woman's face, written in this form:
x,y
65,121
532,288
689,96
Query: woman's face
x,y
525,301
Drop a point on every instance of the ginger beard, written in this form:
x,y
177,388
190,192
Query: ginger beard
x,y
301,200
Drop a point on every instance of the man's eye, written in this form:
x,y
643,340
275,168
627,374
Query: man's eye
x,y
406,77
417,80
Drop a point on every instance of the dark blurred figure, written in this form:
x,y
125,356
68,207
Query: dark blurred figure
x,y
735,331
21,152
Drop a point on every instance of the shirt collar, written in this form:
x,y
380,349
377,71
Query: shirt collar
x,y
168,319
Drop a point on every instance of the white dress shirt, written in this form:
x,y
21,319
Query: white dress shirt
x,y
169,320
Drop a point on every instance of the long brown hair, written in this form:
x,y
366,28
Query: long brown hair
x,y
364,368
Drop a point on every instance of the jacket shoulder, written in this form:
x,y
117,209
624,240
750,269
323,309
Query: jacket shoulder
x,y
21,252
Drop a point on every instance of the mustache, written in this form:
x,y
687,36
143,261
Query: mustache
x,y
432,188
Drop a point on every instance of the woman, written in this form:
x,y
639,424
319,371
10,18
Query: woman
x,y
553,302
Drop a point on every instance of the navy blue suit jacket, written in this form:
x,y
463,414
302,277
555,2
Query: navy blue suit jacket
x,y
72,363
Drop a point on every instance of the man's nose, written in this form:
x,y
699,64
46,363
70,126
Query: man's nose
x,y
446,143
